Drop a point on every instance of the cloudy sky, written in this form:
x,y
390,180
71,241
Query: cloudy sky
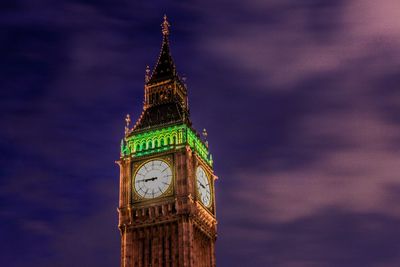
x,y
301,101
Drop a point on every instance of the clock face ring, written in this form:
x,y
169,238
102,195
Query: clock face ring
x,y
152,179
203,187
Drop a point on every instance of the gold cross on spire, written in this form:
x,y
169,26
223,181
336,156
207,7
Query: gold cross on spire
x,y
165,26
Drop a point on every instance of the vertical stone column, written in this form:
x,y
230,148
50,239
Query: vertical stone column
x,y
146,247
125,182
175,248
154,247
168,248
142,249
195,248
128,186
212,247
180,243
135,248
185,242
128,249
190,171
123,248
121,182
159,247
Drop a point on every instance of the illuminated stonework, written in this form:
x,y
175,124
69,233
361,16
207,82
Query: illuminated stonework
x,y
166,205
164,139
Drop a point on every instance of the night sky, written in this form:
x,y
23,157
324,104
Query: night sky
x,y
300,98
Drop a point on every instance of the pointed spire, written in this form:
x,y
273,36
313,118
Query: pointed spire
x,y
165,26
165,68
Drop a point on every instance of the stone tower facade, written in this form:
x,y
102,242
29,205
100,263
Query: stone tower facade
x,y
167,201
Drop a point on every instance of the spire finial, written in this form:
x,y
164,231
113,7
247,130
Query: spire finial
x,y
165,26
205,134
128,122
147,75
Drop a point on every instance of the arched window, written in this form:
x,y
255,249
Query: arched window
x,y
162,141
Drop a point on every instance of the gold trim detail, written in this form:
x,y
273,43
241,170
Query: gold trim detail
x,y
211,187
136,197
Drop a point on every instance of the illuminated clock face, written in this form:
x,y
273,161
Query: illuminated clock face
x,y
153,179
203,187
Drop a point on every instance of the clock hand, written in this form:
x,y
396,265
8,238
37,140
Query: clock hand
x,y
202,185
150,179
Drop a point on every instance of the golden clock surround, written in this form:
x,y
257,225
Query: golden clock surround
x,y
136,167
210,182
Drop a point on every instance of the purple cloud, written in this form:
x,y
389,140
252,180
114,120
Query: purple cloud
x,y
300,100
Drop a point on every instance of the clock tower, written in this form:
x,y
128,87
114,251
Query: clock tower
x,y
166,198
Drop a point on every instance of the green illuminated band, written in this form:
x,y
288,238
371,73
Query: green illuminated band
x,y
160,140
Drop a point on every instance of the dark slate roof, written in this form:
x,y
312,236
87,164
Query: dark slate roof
x,y
165,68
161,114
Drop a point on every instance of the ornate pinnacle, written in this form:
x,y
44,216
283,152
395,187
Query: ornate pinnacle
x,y
128,121
205,133
147,75
165,26
205,136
